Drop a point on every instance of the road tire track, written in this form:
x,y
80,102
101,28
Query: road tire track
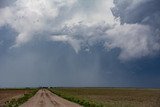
x,y
45,98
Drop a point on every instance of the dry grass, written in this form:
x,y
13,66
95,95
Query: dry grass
x,y
8,94
115,97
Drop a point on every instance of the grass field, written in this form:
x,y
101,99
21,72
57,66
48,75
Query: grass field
x,y
12,96
111,97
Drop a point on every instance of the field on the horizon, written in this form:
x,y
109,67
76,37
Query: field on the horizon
x,y
96,97
111,97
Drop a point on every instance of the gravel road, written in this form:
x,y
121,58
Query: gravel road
x,y
45,98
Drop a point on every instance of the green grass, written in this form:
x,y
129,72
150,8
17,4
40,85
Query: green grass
x,y
74,98
21,100
111,97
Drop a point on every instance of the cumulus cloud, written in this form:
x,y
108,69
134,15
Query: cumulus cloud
x,y
81,22
134,40
30,18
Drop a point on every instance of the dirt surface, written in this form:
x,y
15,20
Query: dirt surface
x,y
45,98
8,94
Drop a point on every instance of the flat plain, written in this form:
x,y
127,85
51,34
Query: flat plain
x,y
94,97
111,97
9,94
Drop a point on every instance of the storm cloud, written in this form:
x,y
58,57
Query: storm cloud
x,y
86,22
77,38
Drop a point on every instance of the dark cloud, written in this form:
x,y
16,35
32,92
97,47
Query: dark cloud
x,y
39,60
4,3
48,63
146,12
43,63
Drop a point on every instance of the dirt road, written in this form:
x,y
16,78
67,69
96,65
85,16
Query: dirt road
x,y
45,98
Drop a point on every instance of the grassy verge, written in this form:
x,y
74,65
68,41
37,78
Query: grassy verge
x,y
21,100
111,97
82,101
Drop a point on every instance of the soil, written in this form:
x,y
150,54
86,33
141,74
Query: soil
x,y
45,98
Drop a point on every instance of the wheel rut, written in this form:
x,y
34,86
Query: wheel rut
x,y
45,98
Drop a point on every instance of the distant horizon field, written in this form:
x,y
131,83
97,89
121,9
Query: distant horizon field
x,y
103,96
79,87
111,97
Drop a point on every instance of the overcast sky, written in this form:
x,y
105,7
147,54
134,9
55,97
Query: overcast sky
x,y
113,43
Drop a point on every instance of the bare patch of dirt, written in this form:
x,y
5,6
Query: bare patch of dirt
x,y
8,94
45,98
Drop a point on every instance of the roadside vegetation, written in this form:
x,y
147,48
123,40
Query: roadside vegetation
x,y
6,94
21,100
75,98
111,97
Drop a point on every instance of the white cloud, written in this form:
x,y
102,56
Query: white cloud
x,y
5,14
28,17
134,40
76,22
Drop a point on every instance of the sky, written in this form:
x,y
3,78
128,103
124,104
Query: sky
x,y
80,43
